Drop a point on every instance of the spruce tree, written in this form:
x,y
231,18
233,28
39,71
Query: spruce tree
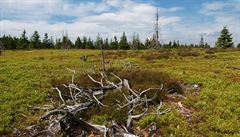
x,y
84,44
106,44
89,44
225,39
123,44
35,40
78,43
114,43
174,45
170,44
23,41
46,42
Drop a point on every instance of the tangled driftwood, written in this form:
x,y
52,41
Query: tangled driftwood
x,y
63,119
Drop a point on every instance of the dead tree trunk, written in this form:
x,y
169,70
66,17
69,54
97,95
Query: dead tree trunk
x,y
102,59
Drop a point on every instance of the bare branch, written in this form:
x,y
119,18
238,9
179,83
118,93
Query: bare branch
x,y
126,84
117,77
70,90
54,112
98,82
98,102
60,95
144,91
73,71
163,112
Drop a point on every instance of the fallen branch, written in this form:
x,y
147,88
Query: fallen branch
x,y
62,118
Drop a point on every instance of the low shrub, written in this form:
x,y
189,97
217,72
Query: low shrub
x,y
142,79
210,51
175,87
159,55
115,54
186,53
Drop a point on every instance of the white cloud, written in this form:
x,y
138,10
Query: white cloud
x,y
91,18
174,9
214,6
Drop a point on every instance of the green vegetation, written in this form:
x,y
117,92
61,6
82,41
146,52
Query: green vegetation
x,y
35,42
26,78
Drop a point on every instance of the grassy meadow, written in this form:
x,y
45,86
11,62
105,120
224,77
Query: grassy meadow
x,y
26,79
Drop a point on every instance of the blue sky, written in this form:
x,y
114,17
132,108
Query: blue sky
x,y
183,20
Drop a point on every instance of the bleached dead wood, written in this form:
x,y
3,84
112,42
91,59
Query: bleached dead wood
x,y
136,99
185,112
82,98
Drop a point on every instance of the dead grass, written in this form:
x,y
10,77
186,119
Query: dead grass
x,y
210,51
185,52
159,55
115,54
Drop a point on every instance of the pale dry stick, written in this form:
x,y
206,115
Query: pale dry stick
x,y
158,112
98,82
144,91
126,84
98,102
73,75
81,91
131,117
71,94
60,95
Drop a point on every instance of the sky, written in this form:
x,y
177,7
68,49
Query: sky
x,y
183,20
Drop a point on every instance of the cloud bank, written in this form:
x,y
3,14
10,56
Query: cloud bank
x,y
112,17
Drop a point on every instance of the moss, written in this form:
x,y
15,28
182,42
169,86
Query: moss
x,y
99,119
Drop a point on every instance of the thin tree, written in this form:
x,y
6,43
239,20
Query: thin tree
x,y
201,43
155,44
102,54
